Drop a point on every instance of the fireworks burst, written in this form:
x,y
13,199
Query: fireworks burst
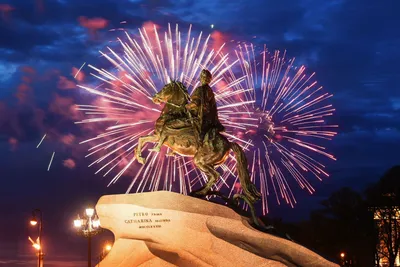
x,y
268,105
290,113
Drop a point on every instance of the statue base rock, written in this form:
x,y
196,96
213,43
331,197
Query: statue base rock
x,y
169,229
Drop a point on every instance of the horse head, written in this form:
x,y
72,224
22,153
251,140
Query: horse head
x,y
173,93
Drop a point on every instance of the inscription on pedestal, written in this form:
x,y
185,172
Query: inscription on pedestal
x,y
146,220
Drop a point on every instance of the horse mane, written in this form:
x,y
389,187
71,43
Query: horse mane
x,y
183,88
180,84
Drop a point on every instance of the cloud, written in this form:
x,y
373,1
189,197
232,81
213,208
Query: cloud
x,y
5,10
7,70
93,24
67,139
69,163
13,143
14,38
65,83
9,122
395,103
64,106
79,75
311,30
56,34
24,92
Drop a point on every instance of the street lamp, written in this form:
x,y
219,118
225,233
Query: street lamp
x,y
107,248
342,261
88,227
38,245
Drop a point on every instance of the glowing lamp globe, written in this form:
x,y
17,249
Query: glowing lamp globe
x,y
33,220
89,212
96,223
78,223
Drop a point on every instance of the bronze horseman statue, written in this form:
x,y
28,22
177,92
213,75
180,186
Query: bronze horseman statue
x,y
189,126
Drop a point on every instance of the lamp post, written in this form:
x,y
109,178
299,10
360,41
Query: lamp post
x,y
88,227
34,221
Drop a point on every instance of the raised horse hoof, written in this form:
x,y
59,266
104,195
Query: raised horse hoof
x,y
142,161
138,157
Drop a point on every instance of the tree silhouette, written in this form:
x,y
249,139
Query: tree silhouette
x,y
384,200
344,224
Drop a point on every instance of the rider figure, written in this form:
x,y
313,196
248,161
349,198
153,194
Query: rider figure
x,y
204,109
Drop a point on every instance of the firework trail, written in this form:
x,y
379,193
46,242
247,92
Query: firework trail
x,y
51,161
268,105
41,140
140,66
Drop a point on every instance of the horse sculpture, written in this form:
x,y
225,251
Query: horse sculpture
x,y
175,129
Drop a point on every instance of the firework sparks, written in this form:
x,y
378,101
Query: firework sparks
x,y
290,113
44,136
51,161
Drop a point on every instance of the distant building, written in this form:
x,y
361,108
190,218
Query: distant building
x,y
387,222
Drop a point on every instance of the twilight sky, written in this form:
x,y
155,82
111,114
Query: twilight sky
x,y
352,45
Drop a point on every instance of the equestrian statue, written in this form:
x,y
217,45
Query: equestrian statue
x,y
189,126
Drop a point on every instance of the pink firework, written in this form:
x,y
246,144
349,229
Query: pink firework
x,y
290,126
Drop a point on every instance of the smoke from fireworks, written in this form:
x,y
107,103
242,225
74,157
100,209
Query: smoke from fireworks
x,y
273,109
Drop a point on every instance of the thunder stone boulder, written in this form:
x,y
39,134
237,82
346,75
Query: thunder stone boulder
x,y
169,229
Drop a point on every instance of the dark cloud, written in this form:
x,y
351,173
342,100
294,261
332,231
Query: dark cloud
x,y
58,34
345,44
60,12
16,37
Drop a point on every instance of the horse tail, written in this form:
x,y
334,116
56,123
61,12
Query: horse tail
x,y
241,164
248,187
